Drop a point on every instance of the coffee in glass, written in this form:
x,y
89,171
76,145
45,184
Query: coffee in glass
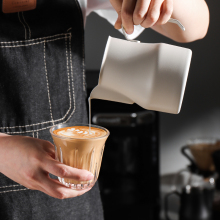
x,y
80,146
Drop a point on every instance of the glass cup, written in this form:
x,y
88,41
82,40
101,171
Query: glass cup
x,y
81,153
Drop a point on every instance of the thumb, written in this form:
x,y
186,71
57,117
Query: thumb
x,y
117,5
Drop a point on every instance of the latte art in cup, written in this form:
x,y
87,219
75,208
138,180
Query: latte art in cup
x,y
80,132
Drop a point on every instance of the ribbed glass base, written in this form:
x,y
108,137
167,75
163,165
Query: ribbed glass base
x,y
78,187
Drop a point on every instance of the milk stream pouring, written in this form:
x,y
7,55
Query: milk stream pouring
x,y
152,75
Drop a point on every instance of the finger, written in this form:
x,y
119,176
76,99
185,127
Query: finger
x,y
49,148
57,190
152,14
166,12
140,11
117,5
127,15
61,170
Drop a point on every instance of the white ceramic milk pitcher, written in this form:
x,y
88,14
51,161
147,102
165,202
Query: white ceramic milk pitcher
x,y
153,75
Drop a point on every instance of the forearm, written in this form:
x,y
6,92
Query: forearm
x,y
3,134
193,14
28,161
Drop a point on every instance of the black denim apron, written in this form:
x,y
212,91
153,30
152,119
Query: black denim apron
x,y
42,83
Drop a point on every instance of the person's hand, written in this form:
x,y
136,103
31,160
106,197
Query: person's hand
x,y
147,13
28,161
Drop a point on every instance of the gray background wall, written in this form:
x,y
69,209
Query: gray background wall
x,y
200,113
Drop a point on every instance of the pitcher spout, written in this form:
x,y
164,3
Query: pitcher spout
x,y
100,92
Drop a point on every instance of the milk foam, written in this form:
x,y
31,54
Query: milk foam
x,y
80,132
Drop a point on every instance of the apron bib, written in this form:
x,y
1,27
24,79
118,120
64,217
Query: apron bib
x,y
42,83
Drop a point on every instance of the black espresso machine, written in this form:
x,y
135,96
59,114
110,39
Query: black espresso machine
x,y
129,175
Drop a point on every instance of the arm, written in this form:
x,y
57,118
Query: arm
x,y
193,14
28,161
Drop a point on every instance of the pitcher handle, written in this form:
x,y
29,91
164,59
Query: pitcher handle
x,y
166,203
175,21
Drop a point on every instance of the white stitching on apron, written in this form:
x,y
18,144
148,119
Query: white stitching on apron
x,y
66,37
13,190
23,132
25,35
84,77
71,65
25,45
68,72
69,29
1,187
83,48
40,38
48,89
22,126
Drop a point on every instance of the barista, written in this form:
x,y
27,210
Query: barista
x,y
36,48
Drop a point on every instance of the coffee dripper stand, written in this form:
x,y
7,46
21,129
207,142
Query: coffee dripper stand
x,y
193,168
208,189
211,174
196,198
216,201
